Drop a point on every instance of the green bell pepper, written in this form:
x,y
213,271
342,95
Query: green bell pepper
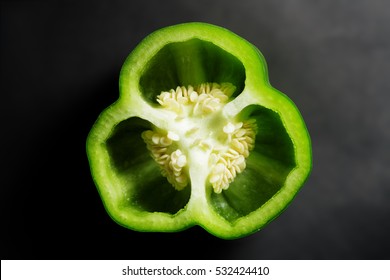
x,y
198,136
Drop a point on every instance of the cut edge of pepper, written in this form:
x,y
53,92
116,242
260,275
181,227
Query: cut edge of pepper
x,y
240,227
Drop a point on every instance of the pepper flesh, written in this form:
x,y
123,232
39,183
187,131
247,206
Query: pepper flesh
x,y
198,137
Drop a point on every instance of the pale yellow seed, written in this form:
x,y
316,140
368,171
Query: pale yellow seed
x,y
215,178
181,179
229,128
173,136
238,146
193,96
181,161
165,141
240,133
219,168
155,139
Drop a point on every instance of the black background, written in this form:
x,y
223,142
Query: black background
x,y
60,63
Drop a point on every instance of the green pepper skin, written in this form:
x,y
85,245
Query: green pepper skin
x,y
132,189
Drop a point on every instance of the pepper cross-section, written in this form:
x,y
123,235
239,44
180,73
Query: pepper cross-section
x,y
198,136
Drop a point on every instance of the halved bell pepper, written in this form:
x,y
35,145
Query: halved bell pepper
x,y
198,136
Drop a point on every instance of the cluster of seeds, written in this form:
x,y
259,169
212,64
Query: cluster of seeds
x,y
203,99
171,160
228,150
226,165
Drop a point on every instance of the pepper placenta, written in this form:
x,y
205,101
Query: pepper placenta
x,y
198,136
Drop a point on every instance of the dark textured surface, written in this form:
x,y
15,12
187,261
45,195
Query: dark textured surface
x,y
59,70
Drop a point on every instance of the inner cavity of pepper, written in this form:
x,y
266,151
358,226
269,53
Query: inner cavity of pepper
x,y
199,124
